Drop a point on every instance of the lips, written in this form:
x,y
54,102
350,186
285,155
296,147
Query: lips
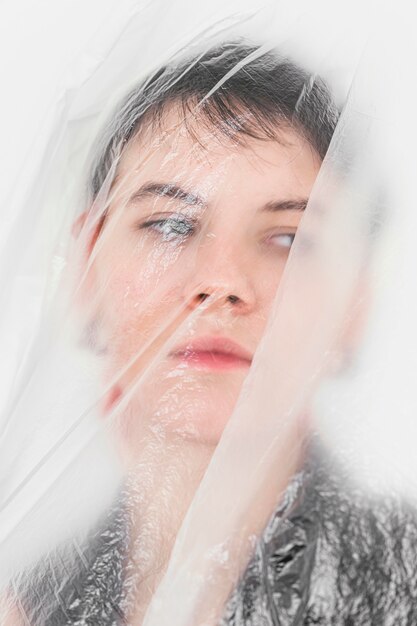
x,y
212,353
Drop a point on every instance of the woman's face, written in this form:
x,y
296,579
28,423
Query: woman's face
x,y
186,268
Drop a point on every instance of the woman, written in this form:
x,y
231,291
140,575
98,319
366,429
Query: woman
x,y
196,194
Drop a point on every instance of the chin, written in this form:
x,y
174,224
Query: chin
x,y
180,418
172,406
205,429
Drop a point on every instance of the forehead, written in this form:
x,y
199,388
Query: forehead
x,y
203,159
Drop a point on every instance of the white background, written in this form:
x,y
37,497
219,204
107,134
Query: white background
x,y
38,42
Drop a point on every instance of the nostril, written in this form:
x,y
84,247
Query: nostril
x,y
202,297
197,299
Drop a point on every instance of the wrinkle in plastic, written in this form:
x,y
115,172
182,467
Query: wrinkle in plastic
x,y
209,308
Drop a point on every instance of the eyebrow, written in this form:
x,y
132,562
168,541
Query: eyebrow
x,y
298,204
170,190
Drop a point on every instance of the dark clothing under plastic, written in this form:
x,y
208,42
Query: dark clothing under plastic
x,y
329,556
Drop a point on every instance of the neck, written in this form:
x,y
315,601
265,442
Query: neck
x,y
161,485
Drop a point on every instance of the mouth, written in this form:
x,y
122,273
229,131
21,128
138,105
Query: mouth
x,y
212,353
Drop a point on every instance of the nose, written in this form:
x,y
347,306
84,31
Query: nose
x,y
224,276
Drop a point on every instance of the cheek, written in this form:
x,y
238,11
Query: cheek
x,y
139,296
268,284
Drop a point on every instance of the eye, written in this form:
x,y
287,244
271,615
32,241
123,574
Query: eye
x,y
282,240
170,228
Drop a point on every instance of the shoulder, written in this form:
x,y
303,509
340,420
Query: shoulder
x,y
365,550
331,550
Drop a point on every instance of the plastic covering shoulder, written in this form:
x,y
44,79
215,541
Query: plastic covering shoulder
x,y
208,326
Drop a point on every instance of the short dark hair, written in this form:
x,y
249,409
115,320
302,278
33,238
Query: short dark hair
x,y
252,94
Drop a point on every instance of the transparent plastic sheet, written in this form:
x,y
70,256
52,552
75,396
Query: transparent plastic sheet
x,y
209,306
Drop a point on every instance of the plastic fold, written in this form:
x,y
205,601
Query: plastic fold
x,y
208,320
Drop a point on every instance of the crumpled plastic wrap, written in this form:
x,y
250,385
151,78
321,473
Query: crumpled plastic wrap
x,y
326,556
209,311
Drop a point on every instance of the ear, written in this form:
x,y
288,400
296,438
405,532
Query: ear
x,y
355,321
80,225
359,311
77,226
86,235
